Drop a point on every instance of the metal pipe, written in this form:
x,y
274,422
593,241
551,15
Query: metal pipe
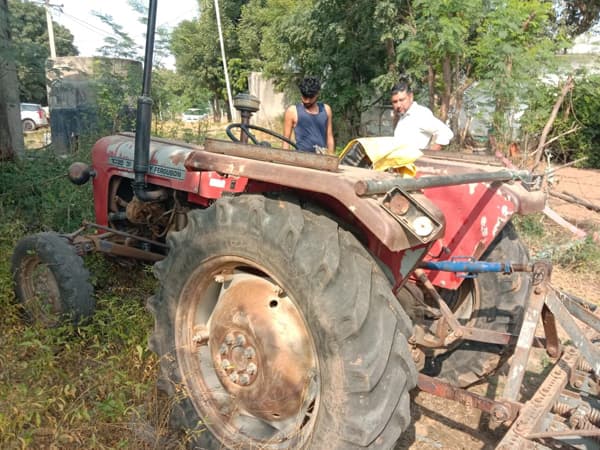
x,y
372,187
144,119
475,266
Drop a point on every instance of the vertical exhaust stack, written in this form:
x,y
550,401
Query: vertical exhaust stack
x,y
144,119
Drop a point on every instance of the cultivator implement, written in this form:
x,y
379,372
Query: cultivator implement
x,y
565,409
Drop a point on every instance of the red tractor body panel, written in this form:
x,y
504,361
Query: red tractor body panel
x,y
469,216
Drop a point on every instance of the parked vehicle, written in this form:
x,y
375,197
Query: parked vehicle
x,y
33,116
303,297
193,115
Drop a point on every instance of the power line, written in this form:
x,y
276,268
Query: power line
x,y
87,25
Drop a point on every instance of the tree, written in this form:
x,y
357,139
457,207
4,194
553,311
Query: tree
x,y
11,137
576,129
336,40
196,47
30,37
119,44
579,15
435,46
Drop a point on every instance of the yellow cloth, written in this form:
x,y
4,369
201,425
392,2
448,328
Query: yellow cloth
x,y
388,153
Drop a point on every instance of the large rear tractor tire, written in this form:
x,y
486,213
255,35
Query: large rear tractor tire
x,y
276,330
50,281
492,301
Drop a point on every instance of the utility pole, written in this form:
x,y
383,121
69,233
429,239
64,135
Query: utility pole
x,y
227,85
50,29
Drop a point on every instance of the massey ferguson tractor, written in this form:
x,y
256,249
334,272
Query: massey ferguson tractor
x,y
303,296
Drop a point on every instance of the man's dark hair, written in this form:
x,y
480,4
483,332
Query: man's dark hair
x,y
309,87
403,85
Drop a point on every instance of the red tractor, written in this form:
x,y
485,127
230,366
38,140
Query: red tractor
x,y
302,297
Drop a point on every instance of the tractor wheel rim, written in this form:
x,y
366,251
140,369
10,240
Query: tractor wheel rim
x,y
42,295
247,356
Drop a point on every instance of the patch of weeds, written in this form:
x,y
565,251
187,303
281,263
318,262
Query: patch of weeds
x,y
530,226
582,255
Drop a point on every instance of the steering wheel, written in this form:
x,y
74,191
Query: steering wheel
x,y
246,130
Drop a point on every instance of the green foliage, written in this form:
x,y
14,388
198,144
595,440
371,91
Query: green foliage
x,y
72,388
197,51
530,227
35,193
29,34
117,85
584,255
579,111
547,241
118,44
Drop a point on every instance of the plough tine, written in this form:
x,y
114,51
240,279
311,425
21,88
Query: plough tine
x,y
588,351
532,415
580,310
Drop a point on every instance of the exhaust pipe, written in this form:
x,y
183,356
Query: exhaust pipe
x,y
144,120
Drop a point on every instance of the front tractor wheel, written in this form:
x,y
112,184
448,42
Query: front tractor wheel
x,y
276,330
51,283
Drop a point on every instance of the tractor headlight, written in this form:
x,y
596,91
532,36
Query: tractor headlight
x,y
413,216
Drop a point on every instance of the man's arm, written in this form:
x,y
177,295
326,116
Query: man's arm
x,y
441,134
330,140
289,122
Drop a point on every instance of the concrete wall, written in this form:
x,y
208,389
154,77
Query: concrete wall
x,y
272,103
72,95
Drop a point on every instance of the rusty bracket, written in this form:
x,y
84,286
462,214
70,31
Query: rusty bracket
x,y
89,243
501,411
115,249
541,277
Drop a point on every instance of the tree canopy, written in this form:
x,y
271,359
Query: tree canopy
x,y
29,33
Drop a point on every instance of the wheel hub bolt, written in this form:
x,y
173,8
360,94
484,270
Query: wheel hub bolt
x,y
226,365
244,380
229,339
249,352
233,377
240,340
223,349
251,369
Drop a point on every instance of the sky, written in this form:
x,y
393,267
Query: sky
x,y
89,32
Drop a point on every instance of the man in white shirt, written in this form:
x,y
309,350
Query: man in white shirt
x,y
416,125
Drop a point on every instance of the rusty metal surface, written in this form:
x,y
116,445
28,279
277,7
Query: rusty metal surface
x,y
261,348
541,278
275,155
502,411
553,347
124,234
533,414
588,351
127,251
526,202
370,187
338,184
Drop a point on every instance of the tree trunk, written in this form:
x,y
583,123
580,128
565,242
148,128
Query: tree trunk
x,y
559,101
447,92
11,132
216,107
390,53
431,86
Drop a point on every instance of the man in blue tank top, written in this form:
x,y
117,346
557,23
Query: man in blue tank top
x,y
310,120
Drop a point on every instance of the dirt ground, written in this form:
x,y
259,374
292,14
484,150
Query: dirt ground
x,y
445,424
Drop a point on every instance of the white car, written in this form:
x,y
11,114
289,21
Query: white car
x,y
193,115
33,116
